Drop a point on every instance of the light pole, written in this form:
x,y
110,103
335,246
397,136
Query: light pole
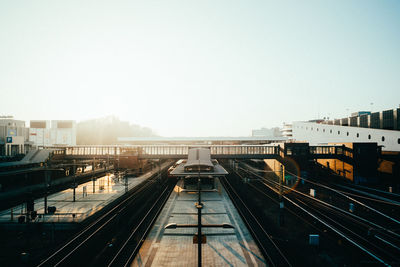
x,y
199,206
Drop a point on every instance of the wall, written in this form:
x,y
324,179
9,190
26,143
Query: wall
x,y
338,166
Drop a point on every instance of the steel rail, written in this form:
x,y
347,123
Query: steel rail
x,y
349,214
348,230
156,204
355,200
146,186
340,193
256,221
377,199
333,209
97,223
333,229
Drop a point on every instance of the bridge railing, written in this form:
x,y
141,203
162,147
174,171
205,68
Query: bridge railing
x,y
182,150
323,150
332,150
244,150
163,150
215,150
345,151
169,150
92,150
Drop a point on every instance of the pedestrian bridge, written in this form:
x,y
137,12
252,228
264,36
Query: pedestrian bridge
x,y
217,151
167,151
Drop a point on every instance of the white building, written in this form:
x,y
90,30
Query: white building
x,y
317,133
58,132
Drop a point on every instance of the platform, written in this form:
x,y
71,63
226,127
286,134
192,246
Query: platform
x,y
98,195
174,247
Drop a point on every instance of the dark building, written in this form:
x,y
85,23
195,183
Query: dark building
x,y
388,119
364,121
345,122
397,119
354,121
375,120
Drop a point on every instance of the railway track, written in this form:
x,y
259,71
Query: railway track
x,y
370,194
366,204
120,228
127,252
380,243
352,228
270,250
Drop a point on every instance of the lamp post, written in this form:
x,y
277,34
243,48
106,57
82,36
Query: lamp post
x,y
189,171
199,206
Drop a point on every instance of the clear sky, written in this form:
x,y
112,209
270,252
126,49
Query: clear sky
x,y
198,68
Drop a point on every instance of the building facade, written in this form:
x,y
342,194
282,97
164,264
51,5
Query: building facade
x,y
385,120
317,133
287,131
13,137
382,128
52,133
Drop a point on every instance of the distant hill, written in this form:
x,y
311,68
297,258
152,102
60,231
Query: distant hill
x,y
105,131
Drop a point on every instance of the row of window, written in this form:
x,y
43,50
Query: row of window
x,y
347,133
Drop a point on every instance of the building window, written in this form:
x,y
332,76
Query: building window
x,y
398,140
383,139
331,131
338,132
323,130
358,135
347,133
311,128
369,136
